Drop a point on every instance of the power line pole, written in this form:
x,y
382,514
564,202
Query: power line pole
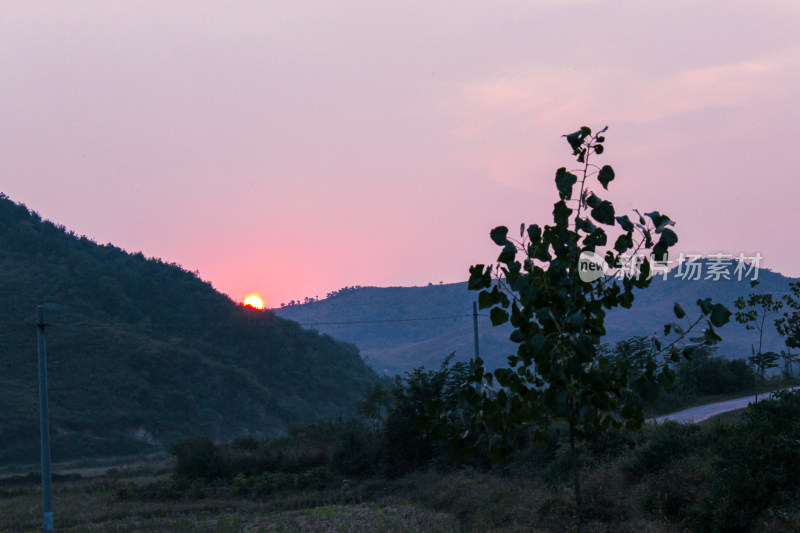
x,y
44,423
475,328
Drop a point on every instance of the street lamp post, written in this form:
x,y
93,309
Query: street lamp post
x,y
44,423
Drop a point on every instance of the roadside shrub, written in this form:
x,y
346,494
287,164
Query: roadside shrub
x,y
305,447
719,376
755,466
673,491
354,453
714,375
663,445
200,458
405,447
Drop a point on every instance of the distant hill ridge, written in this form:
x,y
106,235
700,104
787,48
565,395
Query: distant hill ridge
x,y
396,347
142,352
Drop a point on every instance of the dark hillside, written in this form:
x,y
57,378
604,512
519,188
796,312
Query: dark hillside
x,y
141,352
392,347
413,334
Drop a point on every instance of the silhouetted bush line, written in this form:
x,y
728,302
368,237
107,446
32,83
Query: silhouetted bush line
x,y
386,443
714,478
709,376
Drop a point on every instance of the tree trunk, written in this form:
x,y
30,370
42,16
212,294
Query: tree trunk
x,y
576,480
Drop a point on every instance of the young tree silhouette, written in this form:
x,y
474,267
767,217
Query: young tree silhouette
x,y
555,284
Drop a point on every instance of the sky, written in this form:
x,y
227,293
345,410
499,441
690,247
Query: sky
x,y
293,148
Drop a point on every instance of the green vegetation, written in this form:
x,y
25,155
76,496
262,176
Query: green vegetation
x,y
726,476
555,284
143,352
702,379
324,451
788,324
753,313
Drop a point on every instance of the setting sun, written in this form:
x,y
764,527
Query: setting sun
x,y
253,301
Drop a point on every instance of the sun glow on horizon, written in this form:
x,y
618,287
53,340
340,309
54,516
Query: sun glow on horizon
x,y
254,302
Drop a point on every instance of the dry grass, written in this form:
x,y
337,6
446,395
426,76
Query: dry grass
x,y
335,518
467,501
93,506
484,502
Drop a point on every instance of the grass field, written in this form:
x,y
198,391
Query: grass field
x,y
658,481
121,502
99,505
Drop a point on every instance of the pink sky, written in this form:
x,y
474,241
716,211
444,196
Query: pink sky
x,y
293,148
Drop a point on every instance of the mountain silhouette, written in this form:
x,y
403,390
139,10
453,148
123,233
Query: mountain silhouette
x,y
142,352
400,328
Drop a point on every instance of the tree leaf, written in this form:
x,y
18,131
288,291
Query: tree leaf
x,y
668,238
574,139
499,235
508,254
487,299
625,223
478,278
720,315
564,182
561,213
535,233
605,176
498,316
710,336
604,213
624,243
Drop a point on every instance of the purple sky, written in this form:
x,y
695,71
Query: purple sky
x,y
293,148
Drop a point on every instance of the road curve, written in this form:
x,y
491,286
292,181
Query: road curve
x,y
704,412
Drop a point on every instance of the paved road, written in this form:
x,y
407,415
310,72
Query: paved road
x,y
703,412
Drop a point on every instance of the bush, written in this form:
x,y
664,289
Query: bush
x,y
755,465
199,458
664,444
675,489
714,375
354,453
720,376
405,447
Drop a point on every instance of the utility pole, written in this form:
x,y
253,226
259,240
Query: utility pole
x,y
475,328
44,423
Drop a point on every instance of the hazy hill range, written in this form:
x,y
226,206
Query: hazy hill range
x,y
398,345
143,352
